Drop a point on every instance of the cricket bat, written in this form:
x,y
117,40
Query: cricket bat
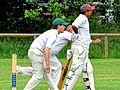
x,y
62,78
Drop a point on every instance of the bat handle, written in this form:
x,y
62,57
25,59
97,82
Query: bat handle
x,y
68,62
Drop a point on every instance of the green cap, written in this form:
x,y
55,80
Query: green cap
x,y
58,21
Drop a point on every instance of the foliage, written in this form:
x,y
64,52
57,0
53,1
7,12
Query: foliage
x,y
33,13
27,17
67,11
101,27
11,9
14,20
26,25
116,11
8,46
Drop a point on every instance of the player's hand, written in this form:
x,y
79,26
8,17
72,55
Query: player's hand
x,y
69,54
47,68
69,28
96,41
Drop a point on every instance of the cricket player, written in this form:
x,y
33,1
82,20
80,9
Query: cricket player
x,y
55,64
39,53
80,48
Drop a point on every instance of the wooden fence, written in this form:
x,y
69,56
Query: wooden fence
x,y
105,35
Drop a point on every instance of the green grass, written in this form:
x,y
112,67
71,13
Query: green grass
x,y
106,74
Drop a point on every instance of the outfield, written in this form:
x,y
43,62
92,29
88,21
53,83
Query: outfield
x,y
106,73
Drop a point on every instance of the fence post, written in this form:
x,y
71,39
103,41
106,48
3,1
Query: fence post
x,y
14,63
106,45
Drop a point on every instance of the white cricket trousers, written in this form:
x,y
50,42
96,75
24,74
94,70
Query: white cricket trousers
x,y
55,66
80,64
37,58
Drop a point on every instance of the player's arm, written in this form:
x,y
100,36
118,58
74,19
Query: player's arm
x,y
75,29
71,28
47,48
73,35
46,55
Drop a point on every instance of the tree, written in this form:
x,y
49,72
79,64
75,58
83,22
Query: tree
x,y
116,11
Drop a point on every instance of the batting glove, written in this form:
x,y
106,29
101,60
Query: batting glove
x,y
69,54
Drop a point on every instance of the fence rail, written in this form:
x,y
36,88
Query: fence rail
x,y
33,34
18,34
105,35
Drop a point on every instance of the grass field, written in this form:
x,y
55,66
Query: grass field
x,y
106,74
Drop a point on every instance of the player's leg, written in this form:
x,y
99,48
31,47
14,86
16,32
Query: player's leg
x,y
36,77
49,78
37,70
56,68
55,73
72,77
79,55
25,71
87,74
90,75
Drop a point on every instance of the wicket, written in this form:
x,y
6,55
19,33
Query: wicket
x,y
14,63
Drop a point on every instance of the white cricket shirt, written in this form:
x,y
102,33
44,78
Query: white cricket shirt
x,y
82,23
46,39
60,42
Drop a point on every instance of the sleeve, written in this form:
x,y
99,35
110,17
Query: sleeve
x,y
68,35
78,21
65,35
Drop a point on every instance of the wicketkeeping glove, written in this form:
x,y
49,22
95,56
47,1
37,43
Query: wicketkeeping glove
x,y
69,54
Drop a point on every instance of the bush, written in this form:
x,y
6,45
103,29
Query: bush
x,y
116,11
11,45
20,46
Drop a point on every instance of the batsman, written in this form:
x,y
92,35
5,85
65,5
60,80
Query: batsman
x,y
80,48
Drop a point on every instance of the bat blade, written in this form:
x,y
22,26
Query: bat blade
x,y
62,78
